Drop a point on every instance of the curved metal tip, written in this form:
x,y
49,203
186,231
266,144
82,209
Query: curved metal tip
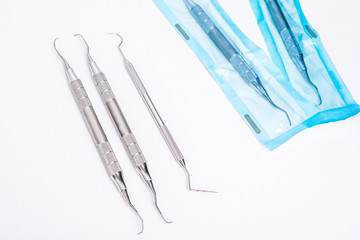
x,y
318,94
156,201
87,46
119,46
138,214
193,189
307,77
280,109
121,38
157,207
66,64
287,115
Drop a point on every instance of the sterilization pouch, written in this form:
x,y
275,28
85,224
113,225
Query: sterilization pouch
x,y
269,123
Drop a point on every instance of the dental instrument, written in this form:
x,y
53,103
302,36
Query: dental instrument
x,y
127,137
290,42
97,133
156,116
230,53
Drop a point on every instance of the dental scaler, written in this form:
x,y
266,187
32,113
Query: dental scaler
x,y
97,133
230,53
156,116
127,137
290,42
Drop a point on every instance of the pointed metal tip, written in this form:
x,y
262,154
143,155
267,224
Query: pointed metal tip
x,y
279,108
189,182
87,46
319,96
121,38
288,117
126,196
120,184
66,64
162,216
151,186
142,225
306,75
119,46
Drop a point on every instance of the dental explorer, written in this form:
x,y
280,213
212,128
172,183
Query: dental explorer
x,y
231,54
127,137
97,133
290,42
156,116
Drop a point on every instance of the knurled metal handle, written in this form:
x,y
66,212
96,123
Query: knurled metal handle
x,y
133,149
92,122
103,87
118,118
108,157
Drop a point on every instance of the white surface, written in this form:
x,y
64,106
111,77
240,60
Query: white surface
x,y
53,184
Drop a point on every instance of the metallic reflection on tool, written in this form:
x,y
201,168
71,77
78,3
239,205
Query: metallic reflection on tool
x,y
290,42
92,122
156,116
127,137
230,53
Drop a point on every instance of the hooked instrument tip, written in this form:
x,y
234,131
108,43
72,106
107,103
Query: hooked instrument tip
x,y
66,64
156,201
138,214
307,77
119,46
193,189
87,47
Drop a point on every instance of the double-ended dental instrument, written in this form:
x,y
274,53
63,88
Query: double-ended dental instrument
x,y
290,42
156,116
230,53
97,133
127,137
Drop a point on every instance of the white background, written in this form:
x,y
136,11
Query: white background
x,y
53,184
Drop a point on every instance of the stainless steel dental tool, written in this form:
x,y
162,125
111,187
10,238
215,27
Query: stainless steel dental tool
x,y
155,115
290,42
236,58
127,137
97,133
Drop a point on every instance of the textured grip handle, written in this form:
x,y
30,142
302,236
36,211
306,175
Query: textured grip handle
x,y
108,157
133,149
244,69
80,95
92,122
103,87
128,139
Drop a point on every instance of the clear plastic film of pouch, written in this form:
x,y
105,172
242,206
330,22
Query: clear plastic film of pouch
x,y
297,50
259,91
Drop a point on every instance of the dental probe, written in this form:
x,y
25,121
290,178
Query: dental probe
x,y
290,42
97,133
127,137
156,116
231,54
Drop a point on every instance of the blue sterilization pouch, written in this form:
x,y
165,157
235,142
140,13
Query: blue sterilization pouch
x,y
336,100
274,108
